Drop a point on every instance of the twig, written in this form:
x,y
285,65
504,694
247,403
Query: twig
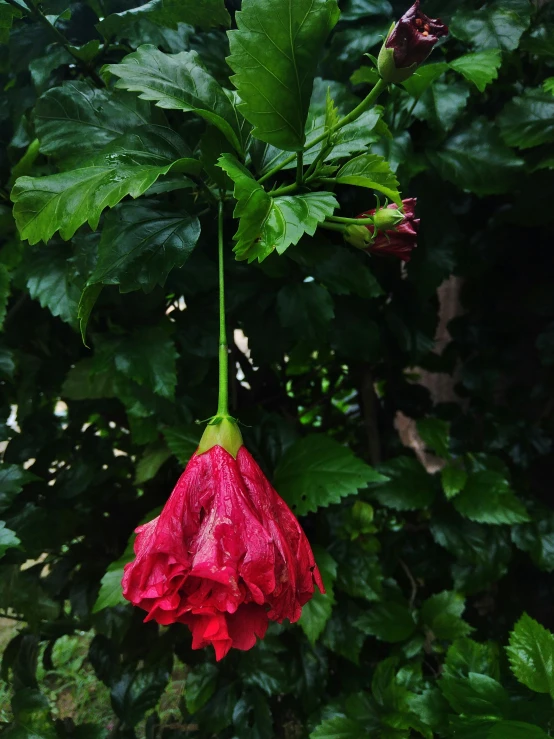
x,y
370,406
411,578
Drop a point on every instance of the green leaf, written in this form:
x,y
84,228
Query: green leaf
x,y
409,486
318,471
477,160
516,730
49,280
306,310
372,171
528,120
290,217
33,720
7,14
148,357
442,613
476,695
75,120
82,383
178,82
200,686
183,441
537,538
548,85
8,539
465,656
391,622
531,655
339,727
274,54
152,459
137,691
423,78
252,716
88,299
316,612
496,25
253,206
110,586
488,498
167,13
481,67
127,166
141,243
12,480
436,435
453,480
442,104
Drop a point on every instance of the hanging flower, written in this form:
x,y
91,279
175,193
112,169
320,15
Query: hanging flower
x,y
396,231
408,44
226,554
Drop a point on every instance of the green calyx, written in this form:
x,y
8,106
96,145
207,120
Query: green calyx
x,y
221,431
388,70
358,236
386,219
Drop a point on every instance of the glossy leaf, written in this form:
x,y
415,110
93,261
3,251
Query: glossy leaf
x,y
372,171
274,54
487,498
496,25
528,120
442,613
531,655
409,486
317,610
178,82
141,244
481,67
127,166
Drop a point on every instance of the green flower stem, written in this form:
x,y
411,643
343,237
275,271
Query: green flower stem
x,y
223,399
366,103
332,226
356,221
284,190
299,167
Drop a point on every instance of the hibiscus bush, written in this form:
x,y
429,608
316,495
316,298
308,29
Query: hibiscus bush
x,y
397,397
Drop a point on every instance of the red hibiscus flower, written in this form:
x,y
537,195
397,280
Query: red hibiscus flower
x,y
409,44
225,555
398,241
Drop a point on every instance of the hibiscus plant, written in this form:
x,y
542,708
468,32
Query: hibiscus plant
x,y
291,260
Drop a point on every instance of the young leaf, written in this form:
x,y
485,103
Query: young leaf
x,y
488,498
481,67
528,120
373,171
274,54
178,82
127,166
442,613
141,243
75,120
531,655
436,435
453,480
318,471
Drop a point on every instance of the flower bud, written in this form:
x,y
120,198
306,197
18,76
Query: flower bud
x,y
408,44
358,236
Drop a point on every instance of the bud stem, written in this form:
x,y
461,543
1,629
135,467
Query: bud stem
x,y
357,221
223,400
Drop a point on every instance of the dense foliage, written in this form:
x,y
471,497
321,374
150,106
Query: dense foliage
x,y
439,575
